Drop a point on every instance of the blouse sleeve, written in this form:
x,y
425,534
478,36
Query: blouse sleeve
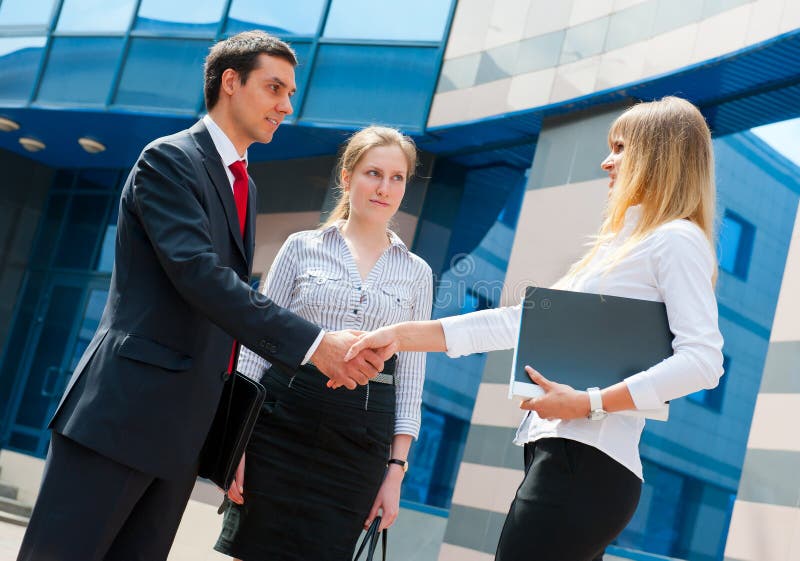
x,y
683,266
483,331
410,371
278,287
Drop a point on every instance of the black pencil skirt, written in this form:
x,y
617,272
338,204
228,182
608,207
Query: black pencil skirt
x,y
572,503
313,467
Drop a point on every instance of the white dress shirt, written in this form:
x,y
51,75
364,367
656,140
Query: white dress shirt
x,y
674,265
227,152
315,276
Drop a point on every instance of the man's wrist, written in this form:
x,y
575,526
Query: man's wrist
x,y
313,348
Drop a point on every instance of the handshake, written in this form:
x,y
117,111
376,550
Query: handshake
x,y
351,358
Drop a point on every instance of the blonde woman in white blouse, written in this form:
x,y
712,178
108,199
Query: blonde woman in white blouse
x,y
583,476
322,462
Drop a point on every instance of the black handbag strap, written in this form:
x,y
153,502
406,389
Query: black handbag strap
x,y
371,538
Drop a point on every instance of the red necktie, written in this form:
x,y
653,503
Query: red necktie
x,y
239,170
240,183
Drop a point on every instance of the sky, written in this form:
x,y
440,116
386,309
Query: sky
x,y
783,137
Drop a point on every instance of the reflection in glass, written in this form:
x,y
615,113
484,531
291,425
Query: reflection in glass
x,y
192,17
26,12
361,84
165,73
105,263
411,20
67,79
301,19
91,320
79,237
19,64
57,316
95,15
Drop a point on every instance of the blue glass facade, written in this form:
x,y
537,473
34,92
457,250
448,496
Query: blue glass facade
x,y
147,56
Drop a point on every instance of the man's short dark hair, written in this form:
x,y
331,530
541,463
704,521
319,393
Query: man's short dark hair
x,y
240,53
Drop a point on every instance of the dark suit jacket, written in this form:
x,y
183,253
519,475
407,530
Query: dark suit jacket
x,y
146,389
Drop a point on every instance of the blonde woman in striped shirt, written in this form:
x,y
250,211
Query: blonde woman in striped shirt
x,y
323,462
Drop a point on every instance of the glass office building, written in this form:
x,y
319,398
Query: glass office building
x,y
509,102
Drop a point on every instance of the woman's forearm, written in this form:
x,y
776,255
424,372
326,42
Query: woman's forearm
x,y
420,336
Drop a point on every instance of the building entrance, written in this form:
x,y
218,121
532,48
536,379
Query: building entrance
x,y
65,320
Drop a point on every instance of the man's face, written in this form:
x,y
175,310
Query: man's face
x,y
259,106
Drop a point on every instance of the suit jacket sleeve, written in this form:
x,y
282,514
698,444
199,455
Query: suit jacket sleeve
x,y
167,199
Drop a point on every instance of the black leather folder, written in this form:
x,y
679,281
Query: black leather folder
x,y
233,424
588,340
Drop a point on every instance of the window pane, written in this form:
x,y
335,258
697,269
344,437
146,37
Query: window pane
x,y
26,12
187,17
84,221
415,20
301,19
67,77
165,73
736,236
19,64
389,85
730,234
48,230
96,15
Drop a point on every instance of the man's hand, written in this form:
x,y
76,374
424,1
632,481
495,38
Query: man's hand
x,y
329,359
365,347
235,493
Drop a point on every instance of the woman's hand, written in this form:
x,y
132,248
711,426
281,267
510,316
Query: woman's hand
x,y
235,493
378,339
559,401
387,501
383,341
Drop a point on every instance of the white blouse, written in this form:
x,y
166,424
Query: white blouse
x,y
674,265
315,276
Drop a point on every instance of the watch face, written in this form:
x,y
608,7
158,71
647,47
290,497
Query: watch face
x,y
597,415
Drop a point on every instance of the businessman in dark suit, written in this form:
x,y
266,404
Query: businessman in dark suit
x,y
128,432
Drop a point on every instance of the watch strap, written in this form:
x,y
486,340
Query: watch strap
x,y
595,399
402,463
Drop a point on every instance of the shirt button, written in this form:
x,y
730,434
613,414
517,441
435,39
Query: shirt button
x,y
224,375
355,311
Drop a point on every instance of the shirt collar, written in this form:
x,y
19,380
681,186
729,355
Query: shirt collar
x,y
632,216
225,148
394,239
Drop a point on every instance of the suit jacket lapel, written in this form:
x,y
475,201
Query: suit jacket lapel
x,y
216,171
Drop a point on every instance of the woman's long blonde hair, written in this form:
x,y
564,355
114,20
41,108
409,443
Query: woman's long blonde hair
x,y
358,145
667,169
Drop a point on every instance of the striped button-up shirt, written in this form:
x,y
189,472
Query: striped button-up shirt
x,y
315,276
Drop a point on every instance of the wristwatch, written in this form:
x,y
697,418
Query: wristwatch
x,y
596,411
402,463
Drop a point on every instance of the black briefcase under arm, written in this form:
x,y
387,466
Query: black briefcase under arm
x,y
230,431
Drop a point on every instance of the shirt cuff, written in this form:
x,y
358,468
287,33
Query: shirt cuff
x,y
456,335
407,426
313,348
643,392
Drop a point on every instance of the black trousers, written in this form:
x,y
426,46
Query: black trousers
x,y
573,502
92,508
